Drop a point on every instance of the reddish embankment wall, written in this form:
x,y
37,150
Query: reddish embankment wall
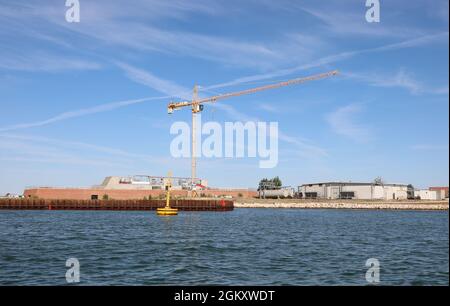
x,y
86,194
131,205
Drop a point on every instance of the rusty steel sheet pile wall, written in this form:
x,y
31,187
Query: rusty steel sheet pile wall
x,y
119,205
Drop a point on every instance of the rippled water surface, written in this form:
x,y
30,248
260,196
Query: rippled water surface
x,y
244,247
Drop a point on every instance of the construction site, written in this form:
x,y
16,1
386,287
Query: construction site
x,y
142,192
138,188
148,187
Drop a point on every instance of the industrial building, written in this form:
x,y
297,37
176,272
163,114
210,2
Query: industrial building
x,y
137,187
282,193
358,191
145,182
427,194
442,190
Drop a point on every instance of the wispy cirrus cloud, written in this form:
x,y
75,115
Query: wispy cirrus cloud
x,y
16,150
148,79
229,51
109,24
440,37
36,159
346,19
269,108
303,146
399,79
79,113
278,109
347,23
44,148
138,29
43,61
343,122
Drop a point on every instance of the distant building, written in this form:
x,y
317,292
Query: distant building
x,y
443,190
282,193
135,188
358,191
12,196
144,182
427,194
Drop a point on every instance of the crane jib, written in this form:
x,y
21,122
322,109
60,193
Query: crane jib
x,y
197,107
174,106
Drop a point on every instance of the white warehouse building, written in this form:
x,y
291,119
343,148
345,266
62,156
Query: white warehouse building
x,y
358,191
425,194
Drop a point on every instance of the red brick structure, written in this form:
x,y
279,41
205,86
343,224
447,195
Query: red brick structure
x,y
442,189
119,194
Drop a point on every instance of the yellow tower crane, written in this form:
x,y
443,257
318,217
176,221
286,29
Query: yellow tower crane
x,y
197,106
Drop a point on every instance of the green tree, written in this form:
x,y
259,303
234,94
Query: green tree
x,y
271,184
278,183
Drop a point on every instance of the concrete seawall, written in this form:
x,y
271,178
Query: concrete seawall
x,y
349,205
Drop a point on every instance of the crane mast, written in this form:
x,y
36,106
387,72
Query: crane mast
x,y
197,106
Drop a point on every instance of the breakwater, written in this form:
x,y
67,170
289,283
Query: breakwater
x,y
131,205
421,205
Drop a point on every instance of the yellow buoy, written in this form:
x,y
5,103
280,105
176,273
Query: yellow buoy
x,y
167,211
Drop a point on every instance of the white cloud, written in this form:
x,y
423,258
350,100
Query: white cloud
x,y
342,122
440,90
226,50
439,37
148,79
35,148
164,86
79,113
137,28
269,108
303,146
43,61
410,43
346,19
400,79
353,23
16,150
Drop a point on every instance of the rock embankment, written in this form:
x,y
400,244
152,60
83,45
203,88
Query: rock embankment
x,y
350,205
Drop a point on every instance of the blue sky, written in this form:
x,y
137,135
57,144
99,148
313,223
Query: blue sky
x,y
81,101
